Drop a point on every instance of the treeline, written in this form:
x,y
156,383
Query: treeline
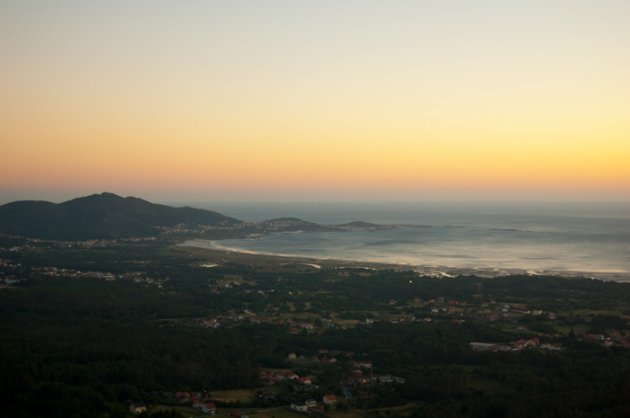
x,y
93,365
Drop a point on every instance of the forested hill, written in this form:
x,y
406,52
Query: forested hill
x,y
100,216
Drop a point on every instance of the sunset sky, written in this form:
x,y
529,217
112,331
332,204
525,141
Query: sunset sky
x,y
294,100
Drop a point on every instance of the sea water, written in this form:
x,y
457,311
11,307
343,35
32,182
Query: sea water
x,y
579,238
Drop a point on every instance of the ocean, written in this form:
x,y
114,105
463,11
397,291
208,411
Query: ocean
x,y
586,239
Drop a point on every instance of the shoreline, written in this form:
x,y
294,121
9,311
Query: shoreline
x,y
424,270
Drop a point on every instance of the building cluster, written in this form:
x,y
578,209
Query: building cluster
x,y
195,399
137,277
233,319
137,408
613,339
517,345
309,404
33,243
17,248
7,263
8,270
273,377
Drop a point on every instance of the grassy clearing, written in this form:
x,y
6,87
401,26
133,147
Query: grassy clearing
x,y
235,395
283,412
186,411
350,413
346,323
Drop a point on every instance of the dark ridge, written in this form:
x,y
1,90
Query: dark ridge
x,y
100,216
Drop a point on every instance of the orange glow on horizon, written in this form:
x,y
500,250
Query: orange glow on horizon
x,y
242,107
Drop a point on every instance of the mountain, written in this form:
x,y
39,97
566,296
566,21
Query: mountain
x,y
101,216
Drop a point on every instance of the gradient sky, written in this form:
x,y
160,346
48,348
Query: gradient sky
x,y
318,99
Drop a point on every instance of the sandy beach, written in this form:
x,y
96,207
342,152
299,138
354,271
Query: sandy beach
x,y
215,250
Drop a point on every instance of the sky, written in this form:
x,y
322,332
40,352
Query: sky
x,y
298,100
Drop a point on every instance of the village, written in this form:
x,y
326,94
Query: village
x,y
308,337
285,389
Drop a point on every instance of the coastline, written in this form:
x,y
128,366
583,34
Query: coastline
x,y
423,270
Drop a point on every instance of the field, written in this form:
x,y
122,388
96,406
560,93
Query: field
x,y
236,395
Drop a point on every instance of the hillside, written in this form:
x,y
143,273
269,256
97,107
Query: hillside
x,y
290,224
104,215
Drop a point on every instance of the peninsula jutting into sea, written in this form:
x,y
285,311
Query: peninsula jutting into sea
x,y
497,241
